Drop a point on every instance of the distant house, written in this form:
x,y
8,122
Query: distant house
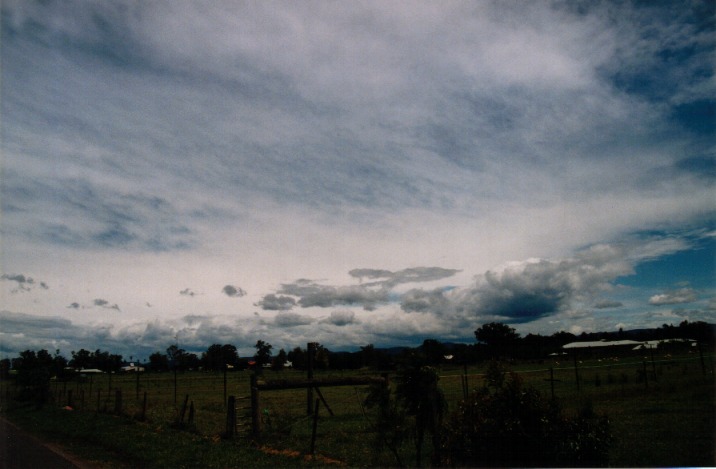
x,y
90,371
131,368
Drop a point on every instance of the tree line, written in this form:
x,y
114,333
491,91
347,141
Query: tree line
x,y
492,340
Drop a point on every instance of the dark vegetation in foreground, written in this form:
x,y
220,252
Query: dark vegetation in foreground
x,y
490,408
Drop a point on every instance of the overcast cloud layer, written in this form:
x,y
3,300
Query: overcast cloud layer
x,y
352,173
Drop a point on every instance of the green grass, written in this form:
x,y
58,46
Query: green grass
x,y
668,422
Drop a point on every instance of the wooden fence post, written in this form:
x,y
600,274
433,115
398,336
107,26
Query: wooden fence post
x,y
118,402
143,416
465,387
315,428
225,367
230,417
70,402
576,370
255,411
309,391
190,419
183,410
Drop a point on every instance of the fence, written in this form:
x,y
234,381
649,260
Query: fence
x,y
337,421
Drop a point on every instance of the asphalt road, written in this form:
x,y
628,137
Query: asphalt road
x,y
20,450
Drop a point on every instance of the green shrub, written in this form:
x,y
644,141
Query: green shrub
x,y
513,425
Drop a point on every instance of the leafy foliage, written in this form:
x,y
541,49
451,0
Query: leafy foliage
x,y
507,424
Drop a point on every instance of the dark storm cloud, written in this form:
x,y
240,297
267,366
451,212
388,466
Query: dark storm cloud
x,y
188,292
232,291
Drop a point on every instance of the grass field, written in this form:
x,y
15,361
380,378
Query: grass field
x,y
669,420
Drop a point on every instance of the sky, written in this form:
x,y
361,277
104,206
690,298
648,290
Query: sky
x,y
352,173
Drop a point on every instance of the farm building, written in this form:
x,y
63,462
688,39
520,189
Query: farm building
x,y
603,347
622,347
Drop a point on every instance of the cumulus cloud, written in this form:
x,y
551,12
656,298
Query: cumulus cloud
x,y
341,318
367,294
312,294
292,320
23,282
233,292
424,301
672,297
189,292
105,304
272,302
522,292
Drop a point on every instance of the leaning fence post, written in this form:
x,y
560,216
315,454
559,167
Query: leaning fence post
x,y
183,410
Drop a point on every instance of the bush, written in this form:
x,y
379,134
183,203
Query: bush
x,y
515,426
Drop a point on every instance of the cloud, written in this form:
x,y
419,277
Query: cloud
x,y
421,301
189,292
74,305
312,294
341,318
233,292
291,320
525,291
672,297
23,282
105,304
272,302
607,304
369,294
390,279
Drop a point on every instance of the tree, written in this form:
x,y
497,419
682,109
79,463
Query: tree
x,y
263,353
81,359
496,333
298,358
498,337
218,356
280,361
434,351
158,362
